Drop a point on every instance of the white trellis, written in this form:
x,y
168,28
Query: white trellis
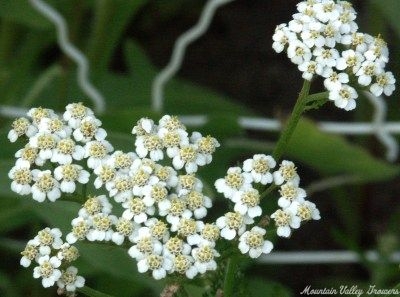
x,y
379,127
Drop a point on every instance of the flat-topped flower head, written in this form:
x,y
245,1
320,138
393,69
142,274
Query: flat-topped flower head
x,y
28,156
97,152
29,254
232,224
102,227
234,181
144,244
45,143
253,242
54,126
37,114
184,264
188,158
345,97
206,145
123,161
176,246
88,130
198,203
48,239
290,192
285,221
144,126
75,113
68,253
384,83
68,174
47,270
20,127
259,167
149,144
204,256
157,264
136,209
210,233
188,183
189,228
123,228
166,174
323,37
106,174
66,151
176,209
45,186
94,205
70,280
287,172
171,123
247,203
21,177
156,194
80,228
305,210
158,229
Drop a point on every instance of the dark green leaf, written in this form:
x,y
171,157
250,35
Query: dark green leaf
x,y
332,155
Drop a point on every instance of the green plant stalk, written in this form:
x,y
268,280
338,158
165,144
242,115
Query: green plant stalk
x,y
229,282
103,14
91,292
293,120
317,97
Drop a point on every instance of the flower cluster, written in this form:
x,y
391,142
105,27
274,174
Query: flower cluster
x,y
53,258
323,39
162,204
240,186
63,142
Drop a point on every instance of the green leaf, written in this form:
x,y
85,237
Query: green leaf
x,y
116,262
57,214
92,293
14,217
332,155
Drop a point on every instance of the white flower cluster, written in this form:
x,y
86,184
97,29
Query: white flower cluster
x,y
60,141
53,258
163,205
323,39
238,186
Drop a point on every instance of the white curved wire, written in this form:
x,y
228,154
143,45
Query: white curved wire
x,y
72,52
380,107
179,51
324,257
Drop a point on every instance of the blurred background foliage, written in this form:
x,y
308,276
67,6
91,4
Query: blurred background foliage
x,y
230,72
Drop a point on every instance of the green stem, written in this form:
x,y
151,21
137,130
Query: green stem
x,y
268,190
103,15
317,97
92,293
292,121
229,282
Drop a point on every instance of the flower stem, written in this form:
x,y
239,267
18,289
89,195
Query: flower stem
x,y
92,293
229,281
292,121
